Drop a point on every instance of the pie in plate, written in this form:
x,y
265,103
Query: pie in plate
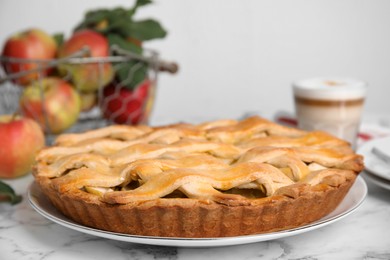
x,y
216,179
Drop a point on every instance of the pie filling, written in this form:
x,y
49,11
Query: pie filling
x,y
248,190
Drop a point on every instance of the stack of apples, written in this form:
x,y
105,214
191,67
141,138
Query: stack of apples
x,y
124,99
46,97
54,92
48,103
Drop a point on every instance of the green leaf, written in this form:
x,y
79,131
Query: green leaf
x,y
93,17
9,194
143,2
138,4
147,30
118,13
115,39
59,39
121,27
132,73
120,21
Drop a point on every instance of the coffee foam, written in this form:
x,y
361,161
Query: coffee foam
x,y
330,88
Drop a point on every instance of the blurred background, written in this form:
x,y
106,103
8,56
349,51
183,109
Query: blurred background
x,y
239,57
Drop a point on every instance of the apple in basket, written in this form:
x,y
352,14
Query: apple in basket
x,y
125,106
88,100
21,139
87,77
52,102
29,44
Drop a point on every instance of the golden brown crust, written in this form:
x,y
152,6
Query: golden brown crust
x,y
196,219
217,179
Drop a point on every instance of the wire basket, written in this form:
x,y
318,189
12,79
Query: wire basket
x,y
134,107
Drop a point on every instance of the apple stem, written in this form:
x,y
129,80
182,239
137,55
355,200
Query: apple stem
x,y
14,115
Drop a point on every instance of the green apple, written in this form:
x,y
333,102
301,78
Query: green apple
x,y
53,103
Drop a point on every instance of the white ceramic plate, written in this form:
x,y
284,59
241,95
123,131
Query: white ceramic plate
x,y
351,202
376,180
373,163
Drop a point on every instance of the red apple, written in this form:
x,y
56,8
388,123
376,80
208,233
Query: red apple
x,y
125,106
87,77
29,44
21,139
52,102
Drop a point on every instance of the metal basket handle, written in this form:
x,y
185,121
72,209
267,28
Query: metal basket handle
x,y
79,58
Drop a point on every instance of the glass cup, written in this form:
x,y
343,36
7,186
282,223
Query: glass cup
x,y
334,105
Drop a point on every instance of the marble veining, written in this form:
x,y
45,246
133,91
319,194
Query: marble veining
x,y
25,234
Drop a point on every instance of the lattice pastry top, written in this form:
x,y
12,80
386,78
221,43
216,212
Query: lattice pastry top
x,y
227,162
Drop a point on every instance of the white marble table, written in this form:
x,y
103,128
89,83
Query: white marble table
x,y
365,234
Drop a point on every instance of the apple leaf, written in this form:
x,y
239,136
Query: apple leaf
x,y
115,39
120,21
137,4
122,27
92,18
147,30
8,194
59,38
132,73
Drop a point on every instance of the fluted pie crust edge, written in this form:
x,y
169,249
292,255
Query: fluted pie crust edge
x,y
191,218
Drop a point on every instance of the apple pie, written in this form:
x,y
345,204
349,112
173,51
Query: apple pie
x,y
215,179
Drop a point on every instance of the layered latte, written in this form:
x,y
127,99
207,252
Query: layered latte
x,y
333,105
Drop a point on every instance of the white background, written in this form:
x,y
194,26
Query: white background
x,y
239,56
